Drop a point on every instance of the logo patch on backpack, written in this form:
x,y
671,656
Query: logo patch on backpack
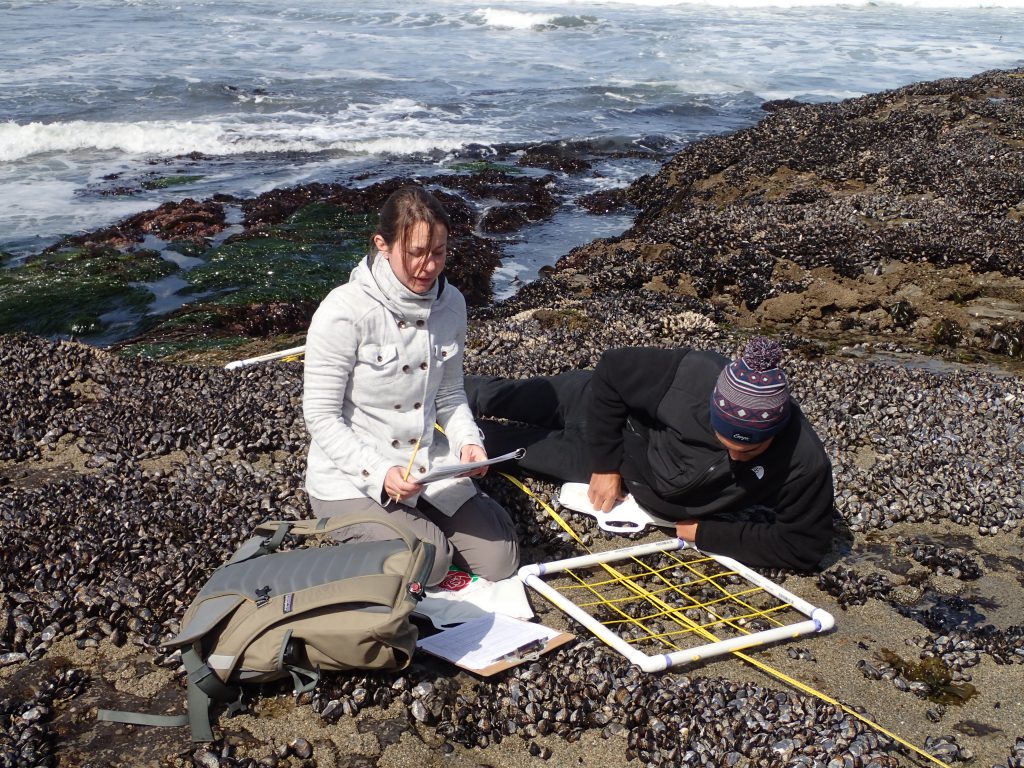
x,y
457,580
288,600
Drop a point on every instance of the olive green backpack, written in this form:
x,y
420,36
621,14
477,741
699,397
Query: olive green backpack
x,y
266,615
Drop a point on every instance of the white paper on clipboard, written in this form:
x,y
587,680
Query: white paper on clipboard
x,y
454,470
492,642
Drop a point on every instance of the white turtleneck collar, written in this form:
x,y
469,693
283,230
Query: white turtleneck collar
x,y
379,279
389,282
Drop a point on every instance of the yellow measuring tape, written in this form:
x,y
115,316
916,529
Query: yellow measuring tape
x,y
678,617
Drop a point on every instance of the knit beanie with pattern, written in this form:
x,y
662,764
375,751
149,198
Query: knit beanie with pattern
x,y
750,402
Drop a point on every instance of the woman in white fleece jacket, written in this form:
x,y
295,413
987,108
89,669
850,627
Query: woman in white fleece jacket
x,y
383,364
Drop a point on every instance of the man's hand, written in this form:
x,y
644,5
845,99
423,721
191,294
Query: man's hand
x,y
687,530
398,488
605,490
471,453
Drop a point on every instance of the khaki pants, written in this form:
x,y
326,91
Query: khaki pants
x,y
480,537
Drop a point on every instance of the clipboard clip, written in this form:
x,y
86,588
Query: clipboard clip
x,y
526,652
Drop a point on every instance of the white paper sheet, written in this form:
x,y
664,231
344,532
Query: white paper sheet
x,y
454,470
477,599
481,642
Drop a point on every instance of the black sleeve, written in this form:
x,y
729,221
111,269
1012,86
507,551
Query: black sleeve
x,y
800,535
626,382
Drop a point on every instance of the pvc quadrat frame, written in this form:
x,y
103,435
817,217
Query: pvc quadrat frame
x,y
651,596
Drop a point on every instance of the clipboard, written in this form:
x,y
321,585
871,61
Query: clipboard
x,y
493,643
455,470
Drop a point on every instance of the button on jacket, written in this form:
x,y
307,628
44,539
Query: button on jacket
x,y
382,364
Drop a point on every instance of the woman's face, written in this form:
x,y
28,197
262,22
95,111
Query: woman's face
x,y
417,259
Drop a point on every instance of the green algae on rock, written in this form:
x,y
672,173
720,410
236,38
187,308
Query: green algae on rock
x,y
68,292
936,675
265,282
273,267
480,166
327,222
298,260
164,182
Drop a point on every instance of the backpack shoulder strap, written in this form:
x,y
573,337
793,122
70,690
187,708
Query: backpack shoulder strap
x,y
208,614
203,686
271,529
274,533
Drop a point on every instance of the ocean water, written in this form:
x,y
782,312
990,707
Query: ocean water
x,y
266,93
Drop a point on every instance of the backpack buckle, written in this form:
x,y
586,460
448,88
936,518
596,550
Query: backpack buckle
x,y
415,589
262,596
276,539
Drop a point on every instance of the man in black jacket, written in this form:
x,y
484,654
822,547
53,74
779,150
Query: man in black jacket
x,y
718,446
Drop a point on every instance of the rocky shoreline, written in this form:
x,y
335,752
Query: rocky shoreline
x,y
890,223
894,218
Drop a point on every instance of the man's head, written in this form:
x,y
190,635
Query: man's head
x,y
750,402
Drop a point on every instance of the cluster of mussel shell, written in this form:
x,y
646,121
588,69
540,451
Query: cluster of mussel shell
x,y
126,482
947,561
661,720
25,739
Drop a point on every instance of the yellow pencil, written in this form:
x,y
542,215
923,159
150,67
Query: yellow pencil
x,y
416,449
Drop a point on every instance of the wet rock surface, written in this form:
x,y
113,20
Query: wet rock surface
x,y
191,276
895,217
186,220
124,482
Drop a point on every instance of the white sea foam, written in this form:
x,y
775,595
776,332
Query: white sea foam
x,y
373,132
153,138
42,208
503,18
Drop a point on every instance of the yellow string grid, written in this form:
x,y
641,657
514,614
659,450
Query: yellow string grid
x,y
667,604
